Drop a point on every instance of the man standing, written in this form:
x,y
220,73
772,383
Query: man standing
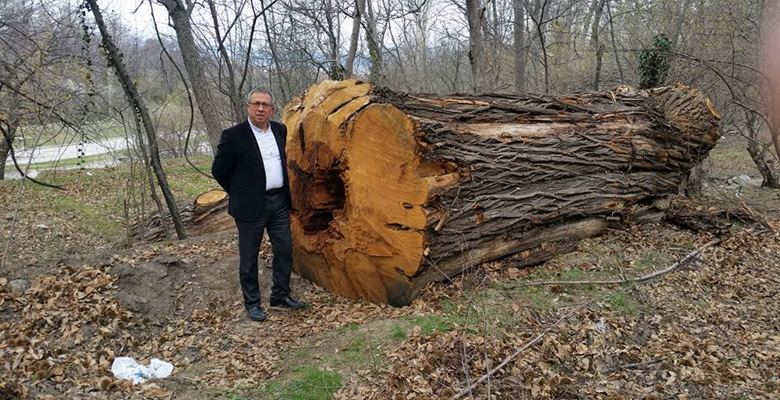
x,y
250,166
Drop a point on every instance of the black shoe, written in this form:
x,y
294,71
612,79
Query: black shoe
x,y
256,314
287,302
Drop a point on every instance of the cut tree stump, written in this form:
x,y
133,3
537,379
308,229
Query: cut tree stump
x,y
392,191
207,214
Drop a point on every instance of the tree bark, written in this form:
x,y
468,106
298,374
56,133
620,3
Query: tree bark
x,y
538,19
759,152
520,48
11,123
392,191
476,46
354,38
614,42
374,43
596,45
180,16
140,111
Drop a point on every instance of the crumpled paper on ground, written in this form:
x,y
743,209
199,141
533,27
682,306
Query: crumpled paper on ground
x,y
128,368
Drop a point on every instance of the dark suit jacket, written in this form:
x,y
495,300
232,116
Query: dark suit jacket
x,y
238,168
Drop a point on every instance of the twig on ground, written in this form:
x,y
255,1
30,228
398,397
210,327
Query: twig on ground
x,y
690,256
512,356
632,365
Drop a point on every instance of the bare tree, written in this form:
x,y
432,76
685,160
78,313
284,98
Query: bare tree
x,y
179,12
233,92
373,42
354,37
140,112
519,45
477,60
595,43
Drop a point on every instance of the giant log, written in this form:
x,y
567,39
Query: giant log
x,y
392,191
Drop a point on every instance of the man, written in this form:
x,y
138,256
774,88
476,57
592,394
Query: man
x,y
250,166
770,64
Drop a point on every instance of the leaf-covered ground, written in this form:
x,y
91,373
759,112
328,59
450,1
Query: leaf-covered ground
x,y
74,295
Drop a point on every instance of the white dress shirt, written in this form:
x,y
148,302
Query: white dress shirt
x,y
272,160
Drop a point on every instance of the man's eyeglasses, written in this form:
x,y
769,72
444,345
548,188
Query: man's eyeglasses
x,y
258,104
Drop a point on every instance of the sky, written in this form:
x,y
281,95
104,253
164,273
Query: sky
x,y
139,20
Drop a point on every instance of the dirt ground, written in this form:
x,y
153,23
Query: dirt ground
x,y
74,294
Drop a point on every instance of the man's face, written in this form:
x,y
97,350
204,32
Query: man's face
x,y
260,109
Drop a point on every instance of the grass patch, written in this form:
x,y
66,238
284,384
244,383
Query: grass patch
x,y
574,274
398,332
452,317
358,350
185,181
623,302
648,260
540,298
90,218
305,383
350,327
430,324
234,396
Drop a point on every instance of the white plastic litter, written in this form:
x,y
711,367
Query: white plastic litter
x,y
128,368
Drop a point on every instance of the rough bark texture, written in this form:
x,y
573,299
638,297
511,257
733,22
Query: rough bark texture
x,y
180,16
392,191
9,127
477,59
519,46
354,38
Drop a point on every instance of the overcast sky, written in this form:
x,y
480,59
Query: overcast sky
x,y
139,20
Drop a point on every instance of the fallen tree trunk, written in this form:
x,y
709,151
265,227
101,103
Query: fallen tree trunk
x,y
392,191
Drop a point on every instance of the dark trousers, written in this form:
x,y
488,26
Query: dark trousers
x,y
276,220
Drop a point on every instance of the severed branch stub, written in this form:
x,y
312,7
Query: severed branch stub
x,y
392,191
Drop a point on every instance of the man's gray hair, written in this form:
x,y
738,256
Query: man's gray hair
x,y
258,90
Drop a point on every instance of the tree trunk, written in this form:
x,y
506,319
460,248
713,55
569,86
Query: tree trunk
x,y
148,173
5,149
236,105
596,45
520,48
274,56
374,43
392,191
760,152
180,17
11,125
354,38
140,111
614,42
476,46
